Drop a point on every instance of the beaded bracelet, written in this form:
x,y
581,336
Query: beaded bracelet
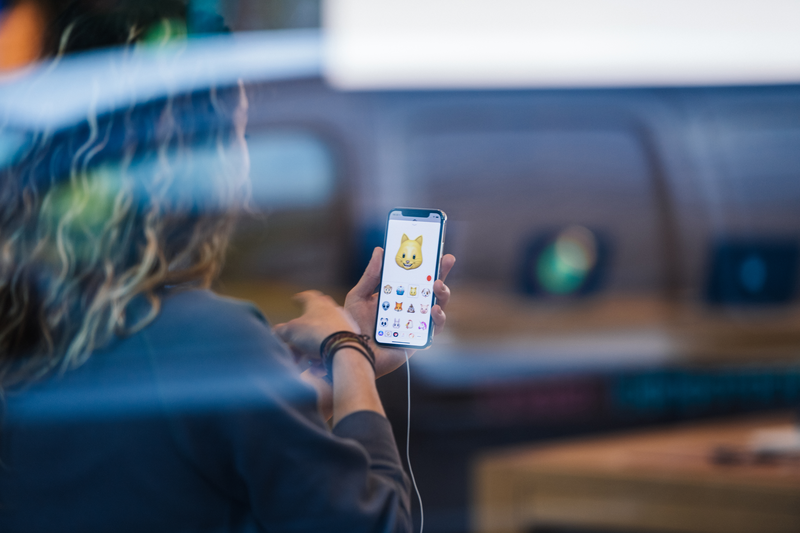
x,y
344,339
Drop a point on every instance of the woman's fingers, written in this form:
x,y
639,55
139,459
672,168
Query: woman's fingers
x,y
442,293
321,317
439,318
307,298
371,278
291,332
448,260
283,331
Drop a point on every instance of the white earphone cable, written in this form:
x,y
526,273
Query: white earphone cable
x,y
408,445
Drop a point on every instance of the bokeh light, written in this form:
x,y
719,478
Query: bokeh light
x,y
565,264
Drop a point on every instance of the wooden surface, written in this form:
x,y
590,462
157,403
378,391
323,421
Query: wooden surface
x,y
699,333
651,481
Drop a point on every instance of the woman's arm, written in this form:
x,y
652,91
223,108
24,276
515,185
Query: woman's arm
x,y
355,387
266,446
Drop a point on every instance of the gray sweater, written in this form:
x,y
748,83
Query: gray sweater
x,y
199,422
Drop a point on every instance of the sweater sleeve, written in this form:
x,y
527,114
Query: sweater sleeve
x,y
374,433
268,449
350,480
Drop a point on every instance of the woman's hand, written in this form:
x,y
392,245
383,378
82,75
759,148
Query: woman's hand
x,y
362,303
321,317
354,381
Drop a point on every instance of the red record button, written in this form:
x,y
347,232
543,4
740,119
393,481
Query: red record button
x,y
429,278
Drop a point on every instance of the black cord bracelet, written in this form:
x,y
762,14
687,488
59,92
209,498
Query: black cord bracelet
x,y
344,339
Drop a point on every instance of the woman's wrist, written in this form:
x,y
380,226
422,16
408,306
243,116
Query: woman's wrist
x,y
353,385
327,332
352,362
340,340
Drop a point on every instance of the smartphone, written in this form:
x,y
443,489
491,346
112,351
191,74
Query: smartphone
x,y
412,252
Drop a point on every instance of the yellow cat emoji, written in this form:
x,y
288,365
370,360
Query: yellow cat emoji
x,y
409,256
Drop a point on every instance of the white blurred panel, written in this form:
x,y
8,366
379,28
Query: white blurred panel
x,y
565,43
59,93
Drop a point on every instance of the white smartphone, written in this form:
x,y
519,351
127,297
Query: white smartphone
x,y
411,257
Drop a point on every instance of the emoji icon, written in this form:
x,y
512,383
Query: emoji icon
x,y
395,334
384,321
411,335
411,308
426,292
423,309
385,306
409,324
423,326
396,323
398,306
388,333
409,256
412,291
400,290
387,289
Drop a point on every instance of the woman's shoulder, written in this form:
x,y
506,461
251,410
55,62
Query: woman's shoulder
x,y
199,346
198,329
200,304
218,351
197,315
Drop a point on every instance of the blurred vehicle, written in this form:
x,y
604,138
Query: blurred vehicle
x,y
625,255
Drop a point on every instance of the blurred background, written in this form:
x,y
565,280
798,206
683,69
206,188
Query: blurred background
x,y
622,182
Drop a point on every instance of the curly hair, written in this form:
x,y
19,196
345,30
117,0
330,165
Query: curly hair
x,y
111,211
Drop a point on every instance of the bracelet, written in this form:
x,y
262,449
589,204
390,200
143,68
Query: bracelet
x,y
344,339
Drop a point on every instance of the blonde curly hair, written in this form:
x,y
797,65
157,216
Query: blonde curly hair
x,y
113,211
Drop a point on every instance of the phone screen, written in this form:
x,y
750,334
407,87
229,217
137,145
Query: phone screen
x,y
412,250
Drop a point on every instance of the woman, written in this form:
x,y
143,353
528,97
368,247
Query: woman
x,y
136,399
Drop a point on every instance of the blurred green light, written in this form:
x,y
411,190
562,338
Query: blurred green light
x,y
564,265
556,275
